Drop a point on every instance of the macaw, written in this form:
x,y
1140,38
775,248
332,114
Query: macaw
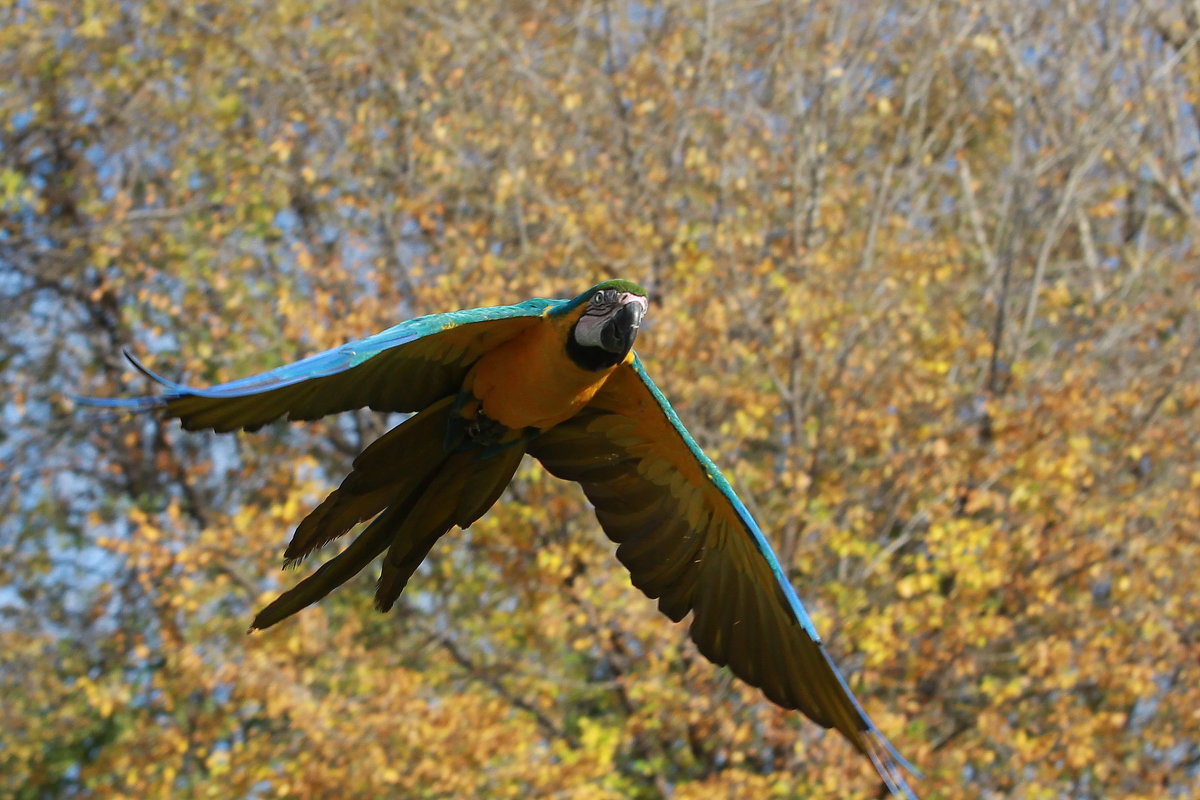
x,y
557,379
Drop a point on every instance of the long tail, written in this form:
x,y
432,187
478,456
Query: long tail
x,y
419,491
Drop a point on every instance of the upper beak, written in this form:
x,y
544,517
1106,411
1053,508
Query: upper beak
x,y
619,333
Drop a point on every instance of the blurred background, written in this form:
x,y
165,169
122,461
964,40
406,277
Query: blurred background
x,y
925,285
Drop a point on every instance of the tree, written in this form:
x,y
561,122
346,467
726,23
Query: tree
x,y
925,281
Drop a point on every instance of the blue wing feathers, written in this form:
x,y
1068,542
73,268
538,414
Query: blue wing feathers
x,y
329,362
352,354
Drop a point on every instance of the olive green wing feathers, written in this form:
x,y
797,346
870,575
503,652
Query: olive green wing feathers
x,y
404,368
689,542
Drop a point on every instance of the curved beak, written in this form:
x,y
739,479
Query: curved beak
x,y
622,327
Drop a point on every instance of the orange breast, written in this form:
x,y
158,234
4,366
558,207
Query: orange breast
x,y
529,381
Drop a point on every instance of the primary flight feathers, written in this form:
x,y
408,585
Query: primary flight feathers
x,y
557,379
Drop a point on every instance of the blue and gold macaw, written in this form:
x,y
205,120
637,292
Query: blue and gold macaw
x,y
557,379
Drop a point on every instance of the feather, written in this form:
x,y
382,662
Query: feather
x,y
375,481
487,482
427,517
332,574
458,491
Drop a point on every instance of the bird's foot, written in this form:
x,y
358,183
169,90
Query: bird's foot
x,y
485,431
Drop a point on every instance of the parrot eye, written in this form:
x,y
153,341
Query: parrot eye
x,y
604,298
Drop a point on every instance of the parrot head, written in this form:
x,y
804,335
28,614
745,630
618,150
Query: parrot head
x,y
609,317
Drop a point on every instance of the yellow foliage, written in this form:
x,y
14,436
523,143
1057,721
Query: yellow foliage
x,y
929,300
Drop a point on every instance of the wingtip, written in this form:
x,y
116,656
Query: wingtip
x,y
125,403
890,765
149,373
136,404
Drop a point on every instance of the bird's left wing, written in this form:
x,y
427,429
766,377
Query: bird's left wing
x,y
403,368
688,541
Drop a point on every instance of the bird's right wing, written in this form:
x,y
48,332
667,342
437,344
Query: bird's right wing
x,y
404,368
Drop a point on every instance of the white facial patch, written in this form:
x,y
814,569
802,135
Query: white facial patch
x,y
587,330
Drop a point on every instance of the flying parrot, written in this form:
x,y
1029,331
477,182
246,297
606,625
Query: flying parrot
x,y
557,379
